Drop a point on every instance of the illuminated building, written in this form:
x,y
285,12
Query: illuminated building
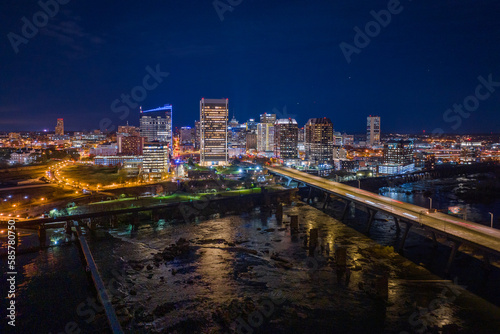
x,y
213,132
398,152
251,141
156,124
130,145
155,162
60,127
319,140
286,133
265,137
268,118
373,130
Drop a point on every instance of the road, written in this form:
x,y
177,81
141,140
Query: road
x,y
466,231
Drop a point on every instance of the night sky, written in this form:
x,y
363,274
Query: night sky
x,y
264,56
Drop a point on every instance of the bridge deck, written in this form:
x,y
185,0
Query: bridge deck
x,y
479,235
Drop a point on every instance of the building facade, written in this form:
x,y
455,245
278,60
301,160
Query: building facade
x,y
265,137
286,132
130,145
213,132
155,160
398,152
156,124
373,130
319,140
60,127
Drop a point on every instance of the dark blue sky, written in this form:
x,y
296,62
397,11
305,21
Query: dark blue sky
x,y
264,55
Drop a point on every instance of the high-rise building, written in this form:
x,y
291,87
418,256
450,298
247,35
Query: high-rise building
x,y
60,127
319,140
156,162
156,124
286,133
398,152
373,130
130,145
213,134
268,118
265,137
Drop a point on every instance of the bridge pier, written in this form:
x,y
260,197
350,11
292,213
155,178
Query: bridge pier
x,y
155,216
309,196
403,240
294,224
371,216
135,221
398,227
434,240
327,200
454,249
279,213
346,208
42,236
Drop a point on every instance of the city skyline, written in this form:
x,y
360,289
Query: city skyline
x,y
404,73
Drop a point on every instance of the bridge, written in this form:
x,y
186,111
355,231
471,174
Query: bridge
x,y
456,230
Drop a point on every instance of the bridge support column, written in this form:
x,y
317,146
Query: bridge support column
x,y
279,213
327,200
403,240
155,216
371,216
42,235
434,240
135,221
454,249
398,227
346,208
310,195
294,224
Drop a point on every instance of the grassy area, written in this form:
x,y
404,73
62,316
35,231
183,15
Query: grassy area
x,y
93,175
21,173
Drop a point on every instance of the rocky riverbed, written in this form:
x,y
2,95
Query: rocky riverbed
x,y
251,274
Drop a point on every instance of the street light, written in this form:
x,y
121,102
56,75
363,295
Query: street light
x,y
430,204
359,184
491,215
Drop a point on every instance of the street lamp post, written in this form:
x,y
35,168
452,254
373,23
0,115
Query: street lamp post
x,y
430,204
359,184
491,216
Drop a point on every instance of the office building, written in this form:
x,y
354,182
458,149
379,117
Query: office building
x,y
128,130
213,132
60,127
130,145
268,118
373,130
187,135
156,124
286,133
251,141
265,137
319,140
155,160
398,152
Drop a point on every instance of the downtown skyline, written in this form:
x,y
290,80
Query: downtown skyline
x,y
276,58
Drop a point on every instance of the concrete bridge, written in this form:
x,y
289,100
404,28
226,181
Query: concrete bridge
x,y
456,230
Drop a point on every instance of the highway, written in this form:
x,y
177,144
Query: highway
x,y
465,231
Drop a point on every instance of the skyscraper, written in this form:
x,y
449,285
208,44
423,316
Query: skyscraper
x,y
213,134
373,130
156,124
60,127
286,133
265,137
319,140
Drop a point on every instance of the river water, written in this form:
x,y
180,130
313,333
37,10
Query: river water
x,y
244,273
